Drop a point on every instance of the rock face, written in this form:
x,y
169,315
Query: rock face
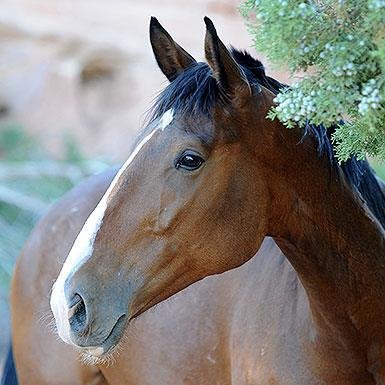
x,y
85,69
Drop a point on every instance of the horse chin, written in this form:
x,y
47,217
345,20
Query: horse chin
x,y
105,359
104,354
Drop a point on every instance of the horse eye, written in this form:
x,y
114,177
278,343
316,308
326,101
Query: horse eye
x,y
189,161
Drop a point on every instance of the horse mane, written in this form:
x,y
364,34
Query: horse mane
x,y
195,91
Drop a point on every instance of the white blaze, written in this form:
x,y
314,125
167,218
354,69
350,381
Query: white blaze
x,y
83,246
166,119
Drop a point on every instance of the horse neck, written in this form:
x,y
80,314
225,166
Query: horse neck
x,y
328,234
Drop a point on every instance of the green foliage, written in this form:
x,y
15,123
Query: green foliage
x,y
340,47
32,181
72,151
379,169
15,145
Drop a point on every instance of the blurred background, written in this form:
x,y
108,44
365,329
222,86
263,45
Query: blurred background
x,y
76,80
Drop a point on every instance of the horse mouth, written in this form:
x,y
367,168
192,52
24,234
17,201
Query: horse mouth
x,y
110,341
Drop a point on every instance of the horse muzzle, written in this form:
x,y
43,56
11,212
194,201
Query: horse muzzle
x,y
93,324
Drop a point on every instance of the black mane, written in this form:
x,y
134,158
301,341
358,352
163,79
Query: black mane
x,y
195,91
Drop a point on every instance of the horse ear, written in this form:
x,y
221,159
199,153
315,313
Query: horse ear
x,y
226,70
172,59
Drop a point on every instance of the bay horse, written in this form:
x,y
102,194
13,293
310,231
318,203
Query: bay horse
x,y
272,253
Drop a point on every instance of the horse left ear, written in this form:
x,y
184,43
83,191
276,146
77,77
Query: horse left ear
x,y
226,70
170,56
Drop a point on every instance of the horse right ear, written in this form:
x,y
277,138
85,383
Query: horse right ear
x,y
228,74
171,57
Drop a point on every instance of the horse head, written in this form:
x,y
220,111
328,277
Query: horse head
x,y
190,201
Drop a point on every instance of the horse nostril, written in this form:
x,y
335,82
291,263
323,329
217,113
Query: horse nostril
x,y
77,314
76,299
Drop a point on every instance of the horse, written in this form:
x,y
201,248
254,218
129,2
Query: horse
x,y
227,249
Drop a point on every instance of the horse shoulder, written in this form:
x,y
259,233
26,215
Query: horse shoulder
x,y
40,358
271,328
